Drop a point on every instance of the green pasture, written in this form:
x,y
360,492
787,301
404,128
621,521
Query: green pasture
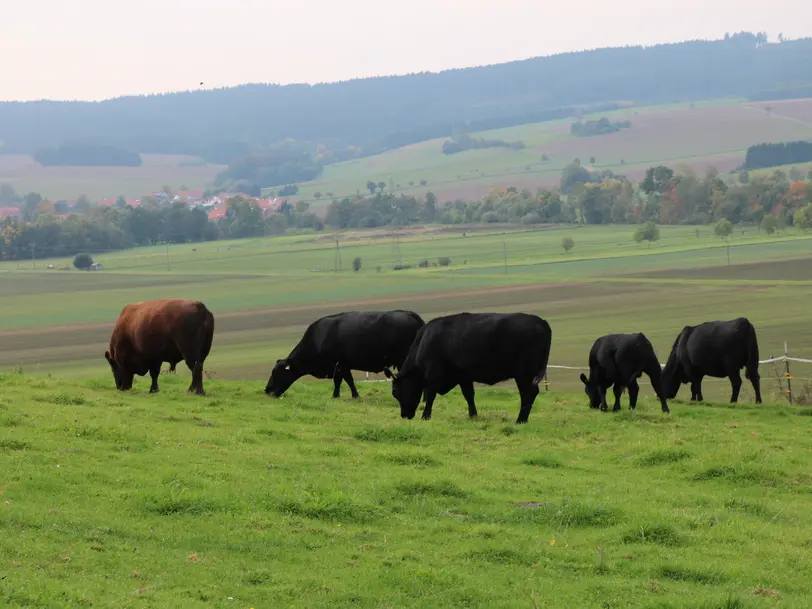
x,y
237,500
264,292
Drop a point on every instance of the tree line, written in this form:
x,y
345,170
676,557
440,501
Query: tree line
x,y
774,155
377,113
601,126
87,155
665,196
463,142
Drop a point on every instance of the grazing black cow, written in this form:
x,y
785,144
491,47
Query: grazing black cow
x,y
469,348
619,360
715,348
334,345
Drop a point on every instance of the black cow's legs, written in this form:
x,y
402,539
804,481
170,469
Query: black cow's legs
x,y
350,382
736,384
337,378
154,372
696,390
528,392
618,391
755,379
468,393
429,395
634,391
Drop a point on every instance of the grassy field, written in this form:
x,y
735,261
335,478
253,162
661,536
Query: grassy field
x,y
715,133
264,292
55,183
237,500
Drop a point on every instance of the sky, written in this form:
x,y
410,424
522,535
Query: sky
x,y
97,49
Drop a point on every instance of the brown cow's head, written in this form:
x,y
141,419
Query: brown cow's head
x,y
283,376
124,379
407,390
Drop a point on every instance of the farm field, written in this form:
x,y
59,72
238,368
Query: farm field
x,y
26,175
238,500
264,292
715,133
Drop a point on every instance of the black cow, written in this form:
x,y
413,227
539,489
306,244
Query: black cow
x,y
715,348
619,360
469,348
334,345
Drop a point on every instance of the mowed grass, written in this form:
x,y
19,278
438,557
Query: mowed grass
x,y
112,499
56,183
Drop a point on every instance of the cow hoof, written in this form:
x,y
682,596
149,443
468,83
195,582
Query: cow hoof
x,y
356,396
425,418
616,409
153,391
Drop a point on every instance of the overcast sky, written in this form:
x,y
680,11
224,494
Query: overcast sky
x,y
95,49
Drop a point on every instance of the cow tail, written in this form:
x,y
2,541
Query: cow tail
x,y
206,334
751,366
545,356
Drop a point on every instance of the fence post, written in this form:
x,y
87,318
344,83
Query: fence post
x,y
789,377
546,384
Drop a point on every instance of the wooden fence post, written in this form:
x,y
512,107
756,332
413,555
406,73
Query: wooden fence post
x,y
789,376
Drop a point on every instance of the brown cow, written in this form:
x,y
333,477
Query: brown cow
x,y
147,334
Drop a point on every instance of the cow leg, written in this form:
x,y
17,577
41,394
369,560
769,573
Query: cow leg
x,y
755,380
468,393
696,390
197,377
154,373
634,391
338,376
527,393
736,384
350,382
604,404
429,394
618,391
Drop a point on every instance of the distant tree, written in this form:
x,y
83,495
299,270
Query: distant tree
x,y
329,195
317,195
568,243
592,160
744,177
531,218
83,261
769,224
381,186
647,232
803,217
411,182
372,187
444,261
121,202
545,158
723,228
423,182
657,178
82,204
356,264
430,207
795,174
288,191
809,174
31,203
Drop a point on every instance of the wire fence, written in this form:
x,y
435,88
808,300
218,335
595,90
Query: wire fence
x,y
785,377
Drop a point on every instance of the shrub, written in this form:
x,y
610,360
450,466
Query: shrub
x,y
423,264
83,261
568,243
356,264
444,261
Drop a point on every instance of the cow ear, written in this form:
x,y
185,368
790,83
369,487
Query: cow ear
x,y
584,380
107,357
388,373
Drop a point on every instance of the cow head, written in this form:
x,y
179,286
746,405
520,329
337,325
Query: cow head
x,y
672,378
283,376
592,391
123,378
407,390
